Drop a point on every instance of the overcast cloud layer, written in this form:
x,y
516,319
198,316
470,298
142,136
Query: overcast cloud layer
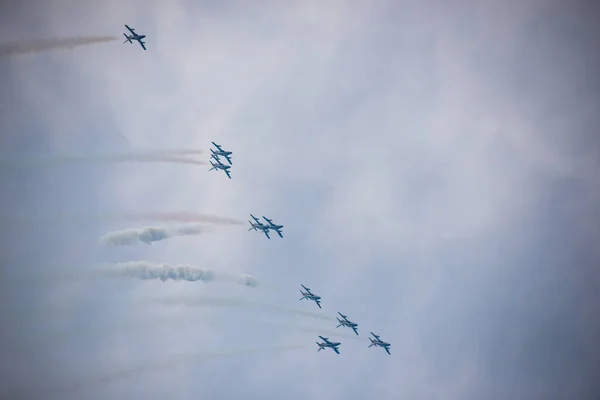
x,y
434,164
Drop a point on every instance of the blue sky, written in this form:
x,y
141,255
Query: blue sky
x,y
434,165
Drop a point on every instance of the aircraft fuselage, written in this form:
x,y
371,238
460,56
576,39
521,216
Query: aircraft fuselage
x,y
325,345
311,296
136,37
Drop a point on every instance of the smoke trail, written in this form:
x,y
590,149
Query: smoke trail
x,y
180,152
133,217
39,45
110,158
221,302
128,237
183,217
142,270
148,271
173,362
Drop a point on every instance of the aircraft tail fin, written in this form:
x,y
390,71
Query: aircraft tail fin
x,y
320,347
127,39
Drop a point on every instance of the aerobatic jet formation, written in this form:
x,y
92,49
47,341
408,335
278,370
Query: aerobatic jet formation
x,y
308,295
347,323
221,166
259,226
220,153
377,342
326,343
134,36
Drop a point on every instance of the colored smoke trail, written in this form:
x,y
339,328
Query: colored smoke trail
x,y
148,235
40,45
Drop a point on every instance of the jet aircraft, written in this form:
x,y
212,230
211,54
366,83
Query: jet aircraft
x,y
377,342
346,322
259,226
326,343
272,226
134,36
308,295
220,153
221,166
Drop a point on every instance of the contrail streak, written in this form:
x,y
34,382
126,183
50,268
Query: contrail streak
x,y
128,237
39,45
173,362
221,302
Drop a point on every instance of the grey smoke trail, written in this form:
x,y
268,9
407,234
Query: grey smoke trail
x,y
128,237
131,217
39,45
173,362
183,217
222,302
164,272
179,152
106,158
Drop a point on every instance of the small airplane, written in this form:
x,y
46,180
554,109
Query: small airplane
x,y
134,36
308,295
377,342
220,153
346,322
272,226
327,343
259,226
221,166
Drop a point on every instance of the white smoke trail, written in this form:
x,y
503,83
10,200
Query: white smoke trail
x,y
229,302
164,272
39,45
128,237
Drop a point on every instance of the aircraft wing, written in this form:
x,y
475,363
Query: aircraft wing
x,y
268,220
354,329
279,233
343,316
326,340
130,30
227,172
318,303
228,159
255,219
267,234
307,289
387,349
143,45
217,146
336,350
376,337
